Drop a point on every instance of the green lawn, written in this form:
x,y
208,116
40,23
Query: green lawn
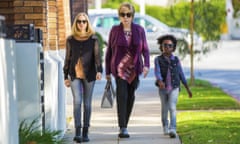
x,y
205,97
211,127
210,117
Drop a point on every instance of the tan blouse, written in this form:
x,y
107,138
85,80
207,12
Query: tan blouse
x,y
79,70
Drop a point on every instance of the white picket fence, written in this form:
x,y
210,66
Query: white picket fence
x,y
21,88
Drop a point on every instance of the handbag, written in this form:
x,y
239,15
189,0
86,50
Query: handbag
x,y
108,95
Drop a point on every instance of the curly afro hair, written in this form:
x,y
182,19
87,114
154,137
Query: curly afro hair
x,y
167,37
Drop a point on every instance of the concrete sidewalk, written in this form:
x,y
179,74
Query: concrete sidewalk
x,y
145,123
144,126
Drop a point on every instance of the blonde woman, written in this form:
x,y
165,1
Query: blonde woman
x,y
82,67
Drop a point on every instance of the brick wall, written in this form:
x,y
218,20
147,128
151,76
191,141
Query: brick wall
x,y
78,6
6,9
52,20
53,17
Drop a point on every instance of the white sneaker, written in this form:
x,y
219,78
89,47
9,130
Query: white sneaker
x,y
165,131
172,133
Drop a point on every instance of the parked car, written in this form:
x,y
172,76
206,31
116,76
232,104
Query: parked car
x,y
103,20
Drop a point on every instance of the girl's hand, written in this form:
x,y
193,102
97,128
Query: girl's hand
x,y
189,94
161,84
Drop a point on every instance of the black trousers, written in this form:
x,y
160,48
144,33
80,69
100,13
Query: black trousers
x,y
125,100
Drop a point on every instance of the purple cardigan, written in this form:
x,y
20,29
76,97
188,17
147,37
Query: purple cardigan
x,y
118,46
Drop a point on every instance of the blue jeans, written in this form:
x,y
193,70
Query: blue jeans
x,y
169,103
82,91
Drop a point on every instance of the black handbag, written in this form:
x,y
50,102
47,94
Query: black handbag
x,y
108,96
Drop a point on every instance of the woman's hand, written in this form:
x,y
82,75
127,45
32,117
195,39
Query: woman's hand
x,y
98,76
108,77
145,71
67,82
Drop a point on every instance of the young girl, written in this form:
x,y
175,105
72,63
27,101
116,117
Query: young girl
x,y
168,72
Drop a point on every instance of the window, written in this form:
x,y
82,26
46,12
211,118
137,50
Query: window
x,y
144,23
107,22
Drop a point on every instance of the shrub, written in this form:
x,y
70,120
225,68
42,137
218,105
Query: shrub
x,y
208,17
31,133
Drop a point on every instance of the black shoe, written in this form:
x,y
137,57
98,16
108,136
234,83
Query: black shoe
x,y
85,135
85,139
77,139
123,133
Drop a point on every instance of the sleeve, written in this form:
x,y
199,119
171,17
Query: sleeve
x,y
97,55
145,50
157,69
108,56
67,60
181,74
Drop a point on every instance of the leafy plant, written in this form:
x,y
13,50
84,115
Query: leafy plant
x,y
31,133
208,17
236,7
114,3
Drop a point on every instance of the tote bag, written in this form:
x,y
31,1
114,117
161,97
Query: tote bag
x,y
108,96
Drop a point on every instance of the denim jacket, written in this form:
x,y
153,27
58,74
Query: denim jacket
x,y
161,67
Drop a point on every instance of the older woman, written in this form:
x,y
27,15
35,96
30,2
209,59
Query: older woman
x,y
126,46
81,68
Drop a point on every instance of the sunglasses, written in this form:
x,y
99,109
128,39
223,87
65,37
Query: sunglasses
x,y
125,14
81,21
168,45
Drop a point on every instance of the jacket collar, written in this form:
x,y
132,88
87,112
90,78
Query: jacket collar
x,y
135,39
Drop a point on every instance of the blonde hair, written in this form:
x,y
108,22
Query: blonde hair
x,y
89,29
129,6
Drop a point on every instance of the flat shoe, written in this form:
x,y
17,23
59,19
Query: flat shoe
x,y
123,133
77,139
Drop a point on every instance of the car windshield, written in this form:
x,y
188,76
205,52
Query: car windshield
x,y
107,22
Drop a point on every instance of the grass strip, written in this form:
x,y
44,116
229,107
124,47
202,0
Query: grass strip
x,y
206,97
210,117
209,127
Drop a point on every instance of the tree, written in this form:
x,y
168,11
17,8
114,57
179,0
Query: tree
x,y
236,7
191,43
203,17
